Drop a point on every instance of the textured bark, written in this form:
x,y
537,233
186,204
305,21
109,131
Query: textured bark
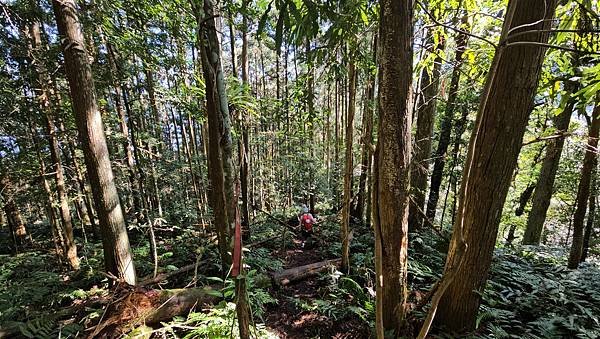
x,y
545,182
392,170
446,124
495,143
422,145
118,258
589,225
583,192
345,229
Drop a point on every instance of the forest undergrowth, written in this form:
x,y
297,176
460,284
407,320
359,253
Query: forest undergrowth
x,y
530,292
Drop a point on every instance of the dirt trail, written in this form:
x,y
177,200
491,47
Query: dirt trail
x,y
288,319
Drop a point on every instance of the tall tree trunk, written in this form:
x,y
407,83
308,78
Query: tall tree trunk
x,y
425,121
118,258
589,225
495,143
583,192
545,182
446,124
392,169
221,163
345,234
219,123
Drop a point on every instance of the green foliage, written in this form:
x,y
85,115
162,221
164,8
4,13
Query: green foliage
x,y
44,328
532,293
258,296
260,259
218,322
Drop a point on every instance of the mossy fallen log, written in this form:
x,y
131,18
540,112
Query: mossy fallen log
x,y
302,272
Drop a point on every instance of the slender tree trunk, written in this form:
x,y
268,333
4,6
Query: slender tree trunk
x,y
85,191
310,97
65,211
583,192
345,235
43,96
123,115
118,258
545,182
244,144
495,143
425,121
157,125
589,226
367,139
57,237
392,169
446,124
523,200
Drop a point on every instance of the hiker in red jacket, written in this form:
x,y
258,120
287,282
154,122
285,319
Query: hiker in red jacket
x,y
306,222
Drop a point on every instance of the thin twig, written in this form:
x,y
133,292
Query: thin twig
x,y
454,28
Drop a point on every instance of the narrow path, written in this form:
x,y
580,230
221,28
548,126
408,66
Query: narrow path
x,y
288,319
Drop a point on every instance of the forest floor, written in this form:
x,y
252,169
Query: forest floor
x,y
288,319
530,292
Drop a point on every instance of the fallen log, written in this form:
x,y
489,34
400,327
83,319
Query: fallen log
x,y
149,307
302,272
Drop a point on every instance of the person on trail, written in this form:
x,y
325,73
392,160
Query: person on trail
x,y
306,222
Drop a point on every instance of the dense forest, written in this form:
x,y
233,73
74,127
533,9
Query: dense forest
x,y
299,169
